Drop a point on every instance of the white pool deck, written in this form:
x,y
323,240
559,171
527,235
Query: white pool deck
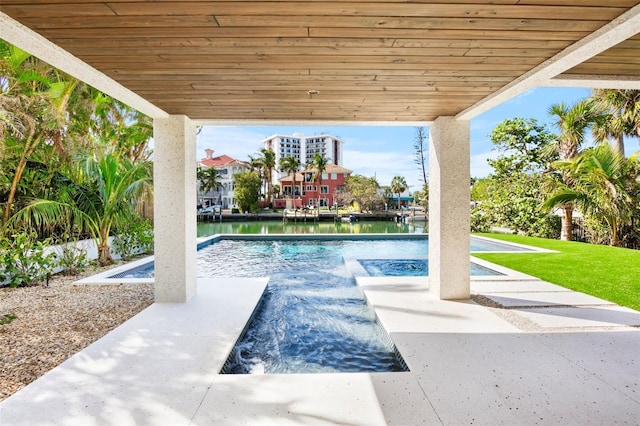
x,y
553,357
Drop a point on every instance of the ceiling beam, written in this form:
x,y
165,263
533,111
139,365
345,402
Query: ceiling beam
x,y
618,30
17,34
300,123
595,81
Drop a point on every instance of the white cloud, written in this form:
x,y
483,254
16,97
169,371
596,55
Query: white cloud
x,y
527,93
240,142
383,163
481,127
479,166
236,142
384,166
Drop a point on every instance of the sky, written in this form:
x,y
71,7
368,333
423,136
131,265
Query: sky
x,y
385,152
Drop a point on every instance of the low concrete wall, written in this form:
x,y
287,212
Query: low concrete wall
x,y
88,245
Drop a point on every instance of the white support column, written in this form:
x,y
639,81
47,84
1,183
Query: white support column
x,y
174,175
449,211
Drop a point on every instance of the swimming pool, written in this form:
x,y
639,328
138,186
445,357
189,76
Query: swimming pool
x,y
411,267
243,254
312,317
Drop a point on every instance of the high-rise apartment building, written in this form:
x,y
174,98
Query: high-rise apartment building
x,y
304,148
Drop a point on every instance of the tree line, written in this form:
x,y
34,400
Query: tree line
x,y
74,162
542,179
255,185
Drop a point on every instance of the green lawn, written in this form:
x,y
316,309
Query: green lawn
x,y
610,273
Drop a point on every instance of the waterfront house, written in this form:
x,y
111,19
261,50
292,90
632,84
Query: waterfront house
x,y
306,191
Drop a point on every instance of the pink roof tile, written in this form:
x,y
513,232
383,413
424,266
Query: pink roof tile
x,y
219,161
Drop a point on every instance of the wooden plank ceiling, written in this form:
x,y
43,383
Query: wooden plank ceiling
x,y
622,60
364,60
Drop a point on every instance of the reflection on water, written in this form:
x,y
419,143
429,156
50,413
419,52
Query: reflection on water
x,y
279,227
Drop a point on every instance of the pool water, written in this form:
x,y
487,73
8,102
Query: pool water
x,y
312,317
411,267
259,258
244,255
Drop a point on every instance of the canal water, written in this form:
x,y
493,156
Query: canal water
x,y
280,227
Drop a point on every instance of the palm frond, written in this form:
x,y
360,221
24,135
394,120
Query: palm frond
x,y
47,214
562,196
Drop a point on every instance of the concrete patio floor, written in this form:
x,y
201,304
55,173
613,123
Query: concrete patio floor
x,y
548,356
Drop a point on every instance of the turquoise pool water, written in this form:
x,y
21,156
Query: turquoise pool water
x,y
248,264
411,267
312,317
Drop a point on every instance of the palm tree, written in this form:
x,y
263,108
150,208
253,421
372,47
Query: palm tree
x,y
398,186
208,179
572,123
603,183
620,111
33,110
99,196
268,160
290,165
319,164
256,165
120,128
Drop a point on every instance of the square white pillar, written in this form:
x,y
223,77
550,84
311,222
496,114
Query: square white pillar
x,y
174,176
449,210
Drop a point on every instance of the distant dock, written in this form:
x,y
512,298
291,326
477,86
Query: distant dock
x,y
309,217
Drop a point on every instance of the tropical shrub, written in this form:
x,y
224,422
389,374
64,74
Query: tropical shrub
x,y
133,238
24,260
595,232
480,220
101,195
515,202
247,190
630,235
71,258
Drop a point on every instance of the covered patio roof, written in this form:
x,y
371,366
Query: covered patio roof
x,y
331,61
437,63
399,62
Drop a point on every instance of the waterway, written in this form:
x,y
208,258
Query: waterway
x,y
280,227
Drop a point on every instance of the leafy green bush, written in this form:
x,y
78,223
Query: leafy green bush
x,y
136,237
480,221
514,202
24,261
247,190
71,258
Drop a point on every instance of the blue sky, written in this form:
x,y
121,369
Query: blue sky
x,y
388,151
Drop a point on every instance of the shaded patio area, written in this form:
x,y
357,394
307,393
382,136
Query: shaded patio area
x,y
436,64
546,356
554,357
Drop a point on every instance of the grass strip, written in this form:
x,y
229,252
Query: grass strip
x,y
610,273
